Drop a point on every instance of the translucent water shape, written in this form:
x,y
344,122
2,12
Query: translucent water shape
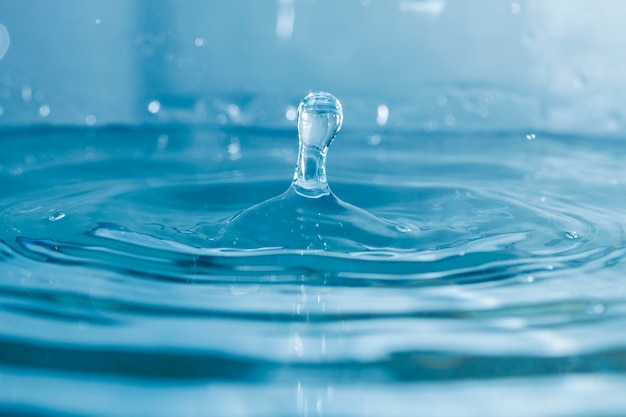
x,y
308,215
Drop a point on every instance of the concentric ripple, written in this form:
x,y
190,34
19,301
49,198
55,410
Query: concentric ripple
x,y
433,267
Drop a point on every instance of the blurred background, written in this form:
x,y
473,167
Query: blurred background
x,y
433,65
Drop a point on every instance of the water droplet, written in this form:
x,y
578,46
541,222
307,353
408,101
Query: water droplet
x,y
449,120
382,115
571,234
597,308
375,140
98,21
154,106
90,120
27,93
530,136
430,125
320,117
530,279
56,216
44,110
234,150
291,113
162,142
199,42
402,228
233,110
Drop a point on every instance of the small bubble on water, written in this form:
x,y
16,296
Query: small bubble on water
x,y
98,21
515,8
375,140
291,113
430,125
199,42
154,106
531,136
162,142
402,228
529,279
597,308
449,120
233,110
550,267
27,93
571,234
44,110
382,115
234,150
56,216
542,199
90,120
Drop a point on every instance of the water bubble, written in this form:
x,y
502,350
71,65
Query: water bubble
x,y
320,117
291,113
530,136
449,120
515,8
56,216
154,106
27,93
44,110
162,142
375,140
571,234
90,120
597,308
382,115
233,110
234,150
98,21
402,228
199,42
529,279
430,125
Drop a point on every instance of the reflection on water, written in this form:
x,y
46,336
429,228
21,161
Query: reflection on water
x,y
506,286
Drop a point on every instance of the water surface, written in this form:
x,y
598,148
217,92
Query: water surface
x,y
500,292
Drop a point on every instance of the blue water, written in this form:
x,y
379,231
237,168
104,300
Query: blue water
x,y
499,290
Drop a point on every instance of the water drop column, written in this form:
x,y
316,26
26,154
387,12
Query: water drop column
x,y
320,117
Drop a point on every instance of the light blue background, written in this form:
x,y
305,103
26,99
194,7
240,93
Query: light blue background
x,y
554,65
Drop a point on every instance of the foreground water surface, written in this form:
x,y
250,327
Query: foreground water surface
x,y
497,289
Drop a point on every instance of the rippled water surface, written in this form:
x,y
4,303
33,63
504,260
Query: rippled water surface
x,y
496,286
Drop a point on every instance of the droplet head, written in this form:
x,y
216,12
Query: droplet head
x,y
320,117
